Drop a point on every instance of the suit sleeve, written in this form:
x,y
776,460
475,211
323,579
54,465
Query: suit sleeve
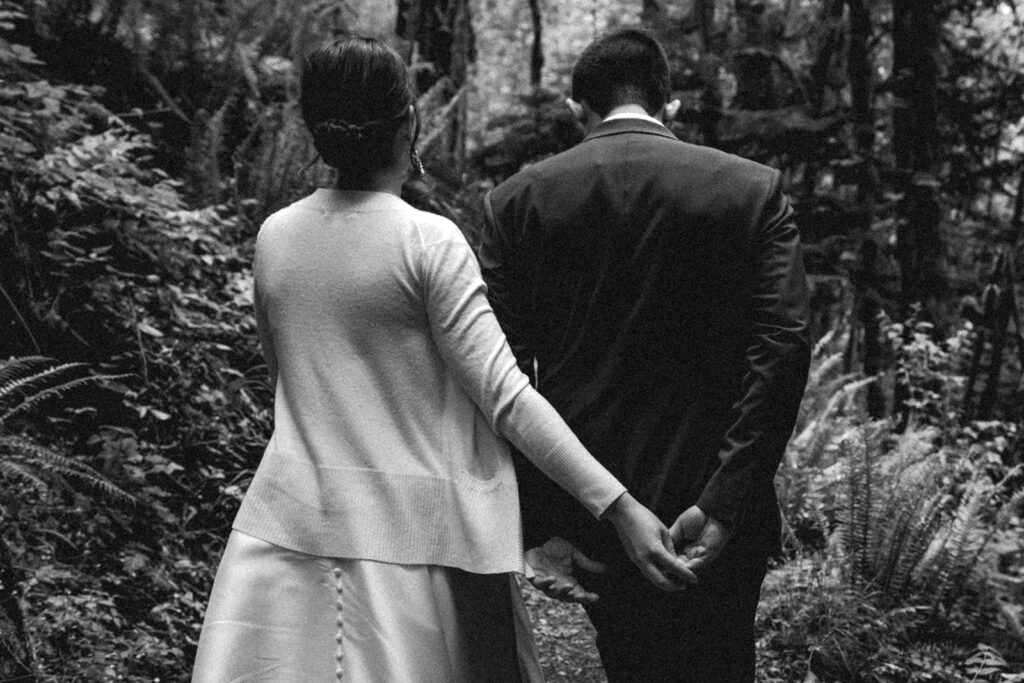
x,y
543,517
497,258
777,360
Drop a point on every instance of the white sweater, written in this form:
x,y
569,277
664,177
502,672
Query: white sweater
x,y
394,387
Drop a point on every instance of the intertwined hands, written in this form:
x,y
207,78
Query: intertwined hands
x,y
701,536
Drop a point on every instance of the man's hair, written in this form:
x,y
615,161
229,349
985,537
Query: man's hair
x,y
626,66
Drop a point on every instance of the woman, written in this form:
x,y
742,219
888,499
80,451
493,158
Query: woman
x,y
378,537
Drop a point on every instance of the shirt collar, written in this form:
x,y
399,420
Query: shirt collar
x,y
632,115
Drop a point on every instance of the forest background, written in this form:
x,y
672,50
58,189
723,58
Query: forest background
x,y
142,142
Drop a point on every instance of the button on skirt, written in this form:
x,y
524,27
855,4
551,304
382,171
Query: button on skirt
x,y
277,615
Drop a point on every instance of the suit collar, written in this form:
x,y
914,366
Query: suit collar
x,y
618,126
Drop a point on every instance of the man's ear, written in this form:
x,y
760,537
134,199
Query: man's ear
x,y
670,110
578,109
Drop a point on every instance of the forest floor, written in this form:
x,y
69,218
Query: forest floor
x,y
565,640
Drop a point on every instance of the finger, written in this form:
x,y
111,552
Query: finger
x,y
676,533
654,573
680,573
587,564
667,540
669,564
581,596
694,550
555,592
661,580
542,582
698,565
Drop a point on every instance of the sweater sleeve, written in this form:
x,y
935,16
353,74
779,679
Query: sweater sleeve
x,y
471,342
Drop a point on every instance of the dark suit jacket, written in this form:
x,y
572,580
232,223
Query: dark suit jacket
x,y
659,288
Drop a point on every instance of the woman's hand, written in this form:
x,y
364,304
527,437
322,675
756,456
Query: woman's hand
x,y
648,544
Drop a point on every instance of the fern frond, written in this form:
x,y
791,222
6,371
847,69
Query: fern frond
x,y
46,463
55,392
956,552
13,470
38,380
1012,504
14,368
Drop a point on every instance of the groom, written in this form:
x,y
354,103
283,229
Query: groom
x,y
655,292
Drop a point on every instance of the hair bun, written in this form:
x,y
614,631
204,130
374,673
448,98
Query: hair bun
x,y
355,95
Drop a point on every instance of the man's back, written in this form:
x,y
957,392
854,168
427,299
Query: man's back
x,y
630,268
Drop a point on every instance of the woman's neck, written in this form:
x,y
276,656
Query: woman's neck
x,y
388,180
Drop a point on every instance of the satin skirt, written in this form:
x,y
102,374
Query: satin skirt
x,y
280,616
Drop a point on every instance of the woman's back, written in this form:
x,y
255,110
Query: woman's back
x,y
338,281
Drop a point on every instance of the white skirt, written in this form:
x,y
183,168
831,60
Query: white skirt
x,y
280,616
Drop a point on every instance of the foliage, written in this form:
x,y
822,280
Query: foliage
x,y
818,627
831,406
101,262
895,529
25,383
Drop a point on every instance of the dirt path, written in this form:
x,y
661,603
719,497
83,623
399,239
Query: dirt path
x,y
565,639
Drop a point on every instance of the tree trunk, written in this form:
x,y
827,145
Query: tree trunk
x,y
694,39
537,49
1000,328
915,139
441,34
867,292
823,71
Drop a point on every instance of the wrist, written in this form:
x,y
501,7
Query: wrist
x,y
619,508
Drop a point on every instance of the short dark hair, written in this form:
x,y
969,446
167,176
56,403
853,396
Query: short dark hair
x,y
355,94
626,66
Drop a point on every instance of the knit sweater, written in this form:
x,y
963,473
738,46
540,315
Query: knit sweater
x,y
394,387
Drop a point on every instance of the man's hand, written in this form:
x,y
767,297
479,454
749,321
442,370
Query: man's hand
x,y
703,535
648,544
553,564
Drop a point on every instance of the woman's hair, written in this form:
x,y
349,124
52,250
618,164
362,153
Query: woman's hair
x,y
355,95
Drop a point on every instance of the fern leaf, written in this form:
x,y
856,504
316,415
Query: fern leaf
x,y
15,368
14,470
55,392
39,380
46,463
953,568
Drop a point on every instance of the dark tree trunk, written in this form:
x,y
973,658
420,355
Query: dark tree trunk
x,y
711,61
823,71
443,34
1000,327
915,140
537,49
867,301
441,31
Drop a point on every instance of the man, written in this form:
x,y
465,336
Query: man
x,y
655,292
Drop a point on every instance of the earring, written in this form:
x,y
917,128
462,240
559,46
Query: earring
x,y
417,165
